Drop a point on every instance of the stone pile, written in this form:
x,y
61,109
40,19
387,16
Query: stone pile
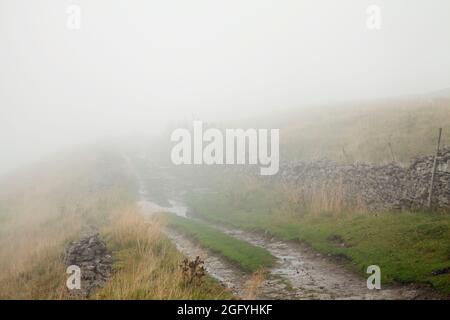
x,y
95,261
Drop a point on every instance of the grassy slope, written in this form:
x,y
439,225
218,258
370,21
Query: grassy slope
x,y
248,257
365,130
43,209
46,207
407,246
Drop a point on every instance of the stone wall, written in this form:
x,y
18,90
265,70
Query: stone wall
x,y
376,187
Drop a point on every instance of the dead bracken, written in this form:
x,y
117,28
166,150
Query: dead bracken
x,y
193,271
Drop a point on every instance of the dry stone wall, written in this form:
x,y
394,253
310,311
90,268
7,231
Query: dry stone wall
x,y
377,187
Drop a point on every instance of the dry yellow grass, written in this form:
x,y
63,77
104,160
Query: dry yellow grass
x,y
147,263
41,210
319,199
254,285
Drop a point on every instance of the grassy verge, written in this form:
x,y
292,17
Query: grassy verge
x,y
408,246
147,263
249,257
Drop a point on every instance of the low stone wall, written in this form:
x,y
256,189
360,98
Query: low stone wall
x,y
376,187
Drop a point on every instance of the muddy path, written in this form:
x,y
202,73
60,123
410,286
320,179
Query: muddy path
x,y
151,202
216,267
273,286
315,276
298,273
228,275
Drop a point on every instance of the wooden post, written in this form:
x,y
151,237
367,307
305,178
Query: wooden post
x,y
392,152
344,153
433,172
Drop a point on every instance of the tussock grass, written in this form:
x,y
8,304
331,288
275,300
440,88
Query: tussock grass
x,y
148,264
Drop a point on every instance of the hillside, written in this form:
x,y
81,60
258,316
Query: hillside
x,y
364,130
47,208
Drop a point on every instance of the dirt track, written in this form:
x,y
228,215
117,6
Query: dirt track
x,y
298,273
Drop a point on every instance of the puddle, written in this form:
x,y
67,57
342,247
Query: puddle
x,y
149,207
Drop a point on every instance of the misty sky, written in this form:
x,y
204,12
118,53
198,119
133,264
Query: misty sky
x,y
134,65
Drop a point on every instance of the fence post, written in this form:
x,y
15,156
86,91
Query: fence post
x,y
392,153
344,154
433,172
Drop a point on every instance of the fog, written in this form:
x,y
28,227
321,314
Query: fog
x,y
135,66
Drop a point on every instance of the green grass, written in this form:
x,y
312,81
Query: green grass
x,y
408,246
250,258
